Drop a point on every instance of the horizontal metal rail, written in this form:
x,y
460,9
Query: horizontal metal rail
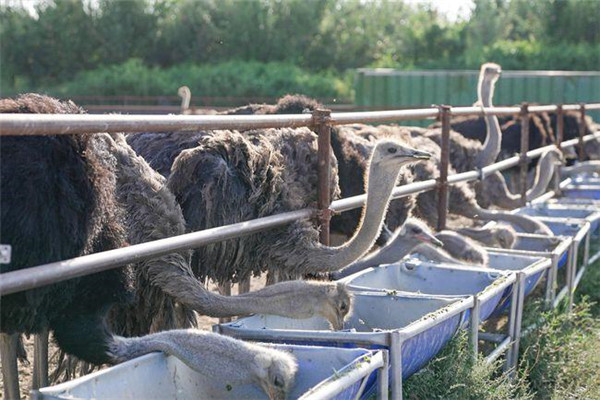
x,y
34,277
63,124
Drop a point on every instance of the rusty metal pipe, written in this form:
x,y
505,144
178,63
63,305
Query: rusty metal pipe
x,y
444,162
580,149
321,126
524,147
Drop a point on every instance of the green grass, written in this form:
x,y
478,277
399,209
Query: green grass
x,y
560,359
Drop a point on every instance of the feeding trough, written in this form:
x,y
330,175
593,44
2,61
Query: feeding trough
x,y
582,191
427,278
322,374
413,328
590,214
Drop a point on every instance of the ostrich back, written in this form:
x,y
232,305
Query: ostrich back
x,y
161,149
57,203
233,177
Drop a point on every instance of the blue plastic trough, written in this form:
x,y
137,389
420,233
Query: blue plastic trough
x,y
413,328
322,374
426,278
590,214
533,266
582,191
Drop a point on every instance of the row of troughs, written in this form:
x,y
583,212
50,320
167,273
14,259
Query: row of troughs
x,y
404,314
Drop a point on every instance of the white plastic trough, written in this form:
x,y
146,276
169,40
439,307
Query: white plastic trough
x,y
413,328
590,214
413,276
324,373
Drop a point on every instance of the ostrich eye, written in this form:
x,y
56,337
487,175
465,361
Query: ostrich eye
x,y
416,230
278,382
392,150
343,306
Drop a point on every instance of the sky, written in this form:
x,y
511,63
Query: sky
x,y
453,9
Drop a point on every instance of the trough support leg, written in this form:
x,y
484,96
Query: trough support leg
x,y
40,360
586,248
225,290
514,299
383,379
10,371
518,320
550,281
571,271
474,331
396,360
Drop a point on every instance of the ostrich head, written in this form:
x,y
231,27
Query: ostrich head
x,y
275,372
390,155
417,229
335,304
183,91
505,235
490,72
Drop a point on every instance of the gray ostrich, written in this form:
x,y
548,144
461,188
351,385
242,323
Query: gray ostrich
x,y
231,177
135,200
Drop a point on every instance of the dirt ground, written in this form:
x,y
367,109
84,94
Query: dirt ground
x,y
26,368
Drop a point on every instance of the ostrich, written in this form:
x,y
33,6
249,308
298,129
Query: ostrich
x,y
412,233
72,178
247,176
186,96
352,151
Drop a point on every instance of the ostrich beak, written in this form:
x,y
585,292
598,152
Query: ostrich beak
x,y
429,238
419,155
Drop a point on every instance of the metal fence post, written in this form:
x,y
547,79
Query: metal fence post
x,y
444,162
524,117
580,151
321,126
474,328
560,134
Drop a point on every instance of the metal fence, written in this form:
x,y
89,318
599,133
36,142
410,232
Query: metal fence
x,y
320,121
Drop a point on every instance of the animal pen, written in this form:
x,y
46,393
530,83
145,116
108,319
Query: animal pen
x,y
415,338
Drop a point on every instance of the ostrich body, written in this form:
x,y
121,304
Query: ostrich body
x,y
255,175
93,182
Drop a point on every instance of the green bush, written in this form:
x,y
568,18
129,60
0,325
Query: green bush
x,y
232,78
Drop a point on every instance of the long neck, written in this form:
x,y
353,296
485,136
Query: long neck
x,y
211,354
392,252
491,146
528,224
496,184
379,190
186,97
189,291
435,254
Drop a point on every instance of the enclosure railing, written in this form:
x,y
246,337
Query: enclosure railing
x,y
320,121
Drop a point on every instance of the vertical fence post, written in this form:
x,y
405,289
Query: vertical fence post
x,y
524,116
320,124
444,162
560,134
580,152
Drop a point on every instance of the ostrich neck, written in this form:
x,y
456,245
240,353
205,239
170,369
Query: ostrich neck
x,y
185,101
392,252
195,348
379,189
491,146
496,184
528,224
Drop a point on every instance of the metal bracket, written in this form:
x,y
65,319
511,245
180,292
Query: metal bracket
x,y
5,253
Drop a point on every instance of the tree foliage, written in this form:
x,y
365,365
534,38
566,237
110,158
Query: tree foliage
x,y
64,37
